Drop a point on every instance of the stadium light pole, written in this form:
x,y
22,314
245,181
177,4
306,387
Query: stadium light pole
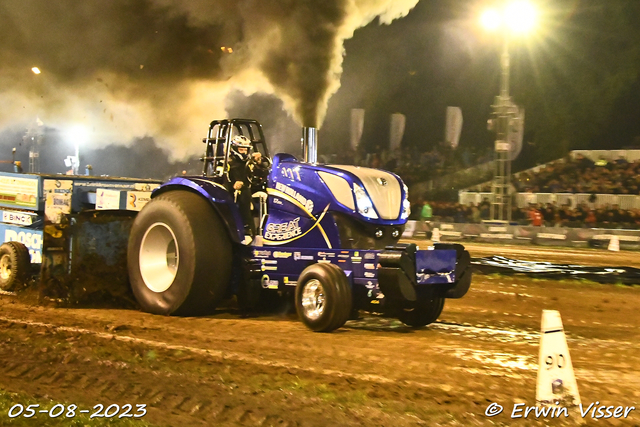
x,y
516,16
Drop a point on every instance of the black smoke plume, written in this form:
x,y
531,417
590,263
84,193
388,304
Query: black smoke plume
x,y
163,68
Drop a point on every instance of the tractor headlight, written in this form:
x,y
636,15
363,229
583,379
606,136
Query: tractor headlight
x,y
406,205
364,203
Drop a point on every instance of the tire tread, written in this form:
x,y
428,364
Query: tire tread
x,y
338,296
208,243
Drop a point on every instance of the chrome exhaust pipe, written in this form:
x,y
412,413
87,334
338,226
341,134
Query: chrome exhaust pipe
x,y
310,144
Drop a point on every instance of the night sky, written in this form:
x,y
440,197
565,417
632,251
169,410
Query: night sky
x,y
153,75
577,77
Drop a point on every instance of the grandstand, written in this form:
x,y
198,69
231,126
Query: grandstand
x,y
597,178
588,188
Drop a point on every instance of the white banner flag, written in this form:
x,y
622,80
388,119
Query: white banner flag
x,y
398,122
453,127
357,126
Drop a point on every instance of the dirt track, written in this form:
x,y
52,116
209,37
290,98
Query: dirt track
x,y
224,370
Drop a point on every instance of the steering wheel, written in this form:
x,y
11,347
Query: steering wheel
x,y
264,167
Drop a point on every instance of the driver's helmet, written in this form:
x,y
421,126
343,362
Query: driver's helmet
x,y
240,141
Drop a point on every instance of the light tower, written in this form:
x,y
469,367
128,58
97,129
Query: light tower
x,y
515,17
33,139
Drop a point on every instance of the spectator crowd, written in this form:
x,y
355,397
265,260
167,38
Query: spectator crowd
x,y
582,175
579,175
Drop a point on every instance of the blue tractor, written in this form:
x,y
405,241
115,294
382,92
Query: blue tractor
x,y
326,234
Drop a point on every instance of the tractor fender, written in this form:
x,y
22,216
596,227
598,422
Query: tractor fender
x,y
216,194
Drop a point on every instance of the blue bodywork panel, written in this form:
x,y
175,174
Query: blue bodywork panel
x,y
281,266
436,266
300,205
30,237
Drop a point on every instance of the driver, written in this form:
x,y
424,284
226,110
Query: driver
x,y
239,181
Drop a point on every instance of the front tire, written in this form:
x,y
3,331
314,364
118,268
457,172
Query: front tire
x,y
323,297
15,262
179,255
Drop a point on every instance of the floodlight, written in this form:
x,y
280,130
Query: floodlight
x,y
491,20
520,16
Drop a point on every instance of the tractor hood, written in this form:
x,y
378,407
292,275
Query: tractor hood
x,y
333,205
372,195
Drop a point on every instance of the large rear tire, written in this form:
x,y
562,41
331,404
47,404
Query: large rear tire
x,y
426,310
323,297
179,255
15,262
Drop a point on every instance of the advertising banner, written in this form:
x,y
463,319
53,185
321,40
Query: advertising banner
x,y
137,199
107,199
19,192
57,194
32,239
524,234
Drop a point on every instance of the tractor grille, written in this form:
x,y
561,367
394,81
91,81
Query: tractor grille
x,y
356,235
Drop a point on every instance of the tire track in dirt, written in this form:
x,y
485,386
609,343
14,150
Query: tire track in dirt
x,y
168,404
176,398
503,363
217,354
470,331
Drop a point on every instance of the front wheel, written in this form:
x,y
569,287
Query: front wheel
x,y
14,265
179,255
425,310
323,297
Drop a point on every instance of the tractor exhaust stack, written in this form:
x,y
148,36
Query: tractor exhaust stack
x,y
310,144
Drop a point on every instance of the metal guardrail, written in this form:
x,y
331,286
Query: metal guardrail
x,y
518,234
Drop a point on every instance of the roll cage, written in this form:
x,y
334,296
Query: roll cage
x,y
220,133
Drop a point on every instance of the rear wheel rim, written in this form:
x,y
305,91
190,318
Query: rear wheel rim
x,y
5,267
313,299
159,257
